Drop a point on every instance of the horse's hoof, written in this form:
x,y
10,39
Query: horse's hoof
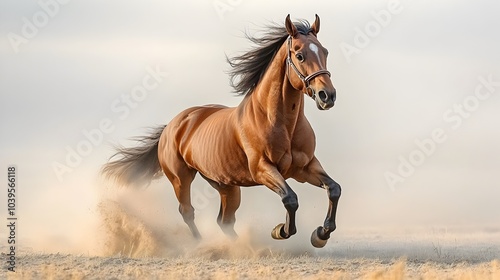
x,y
276,233
316,241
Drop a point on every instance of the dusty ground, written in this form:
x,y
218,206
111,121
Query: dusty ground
x,y
439,256
135,249
60,266
57,266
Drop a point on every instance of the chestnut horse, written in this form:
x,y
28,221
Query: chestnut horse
x,y
264,141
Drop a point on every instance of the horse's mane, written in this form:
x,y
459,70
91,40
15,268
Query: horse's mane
x,y
248,68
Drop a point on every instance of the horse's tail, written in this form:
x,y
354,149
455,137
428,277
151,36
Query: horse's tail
x,y
137,166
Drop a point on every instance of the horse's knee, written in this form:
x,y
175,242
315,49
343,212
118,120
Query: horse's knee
x,y
291,202
334,191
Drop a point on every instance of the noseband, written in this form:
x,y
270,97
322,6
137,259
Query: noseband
x,y
304,79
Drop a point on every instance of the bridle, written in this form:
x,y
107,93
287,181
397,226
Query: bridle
x,y
304,79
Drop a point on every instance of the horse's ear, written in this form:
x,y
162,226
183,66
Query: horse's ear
x,y
290,27
315,26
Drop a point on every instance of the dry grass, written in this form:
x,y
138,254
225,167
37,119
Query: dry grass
x,y
134,249
58,266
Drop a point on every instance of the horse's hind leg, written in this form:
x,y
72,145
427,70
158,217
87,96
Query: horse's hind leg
x,y
181,177
230,198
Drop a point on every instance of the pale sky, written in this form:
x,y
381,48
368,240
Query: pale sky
x,y
402,69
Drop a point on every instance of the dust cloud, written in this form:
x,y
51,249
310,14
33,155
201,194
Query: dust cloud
x,y
139,233
140,223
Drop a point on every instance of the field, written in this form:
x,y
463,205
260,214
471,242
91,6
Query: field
x,y
132,244
57,266
368,255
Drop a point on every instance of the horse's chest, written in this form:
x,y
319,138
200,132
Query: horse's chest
x,y
293,159
290,154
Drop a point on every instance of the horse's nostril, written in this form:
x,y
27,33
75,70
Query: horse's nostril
x,y
323,96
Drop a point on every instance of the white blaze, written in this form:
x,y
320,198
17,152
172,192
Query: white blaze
x,y
315,50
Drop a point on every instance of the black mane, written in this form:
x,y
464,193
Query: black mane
x,y
248,69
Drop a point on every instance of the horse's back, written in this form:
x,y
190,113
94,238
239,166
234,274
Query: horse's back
x,y
198,113
182,127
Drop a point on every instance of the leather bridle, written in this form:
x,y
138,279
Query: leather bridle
x,y
304,79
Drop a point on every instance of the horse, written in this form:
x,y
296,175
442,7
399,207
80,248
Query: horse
x,y
265,140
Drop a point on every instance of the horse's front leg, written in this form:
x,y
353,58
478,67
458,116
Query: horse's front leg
x,y
267,174
316,175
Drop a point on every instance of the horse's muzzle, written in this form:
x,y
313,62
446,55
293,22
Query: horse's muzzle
x,y
325,100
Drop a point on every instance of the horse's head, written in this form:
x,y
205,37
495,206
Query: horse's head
x,y
307,59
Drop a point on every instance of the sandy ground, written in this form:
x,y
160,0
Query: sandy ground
x,y
58,266
133,248
363,256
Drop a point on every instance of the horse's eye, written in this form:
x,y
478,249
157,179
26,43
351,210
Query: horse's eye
x,y
299,57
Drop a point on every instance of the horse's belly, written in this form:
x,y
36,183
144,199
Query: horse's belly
x,y
213,150
228,166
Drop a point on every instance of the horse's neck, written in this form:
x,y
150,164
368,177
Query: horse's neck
x,y
275,98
